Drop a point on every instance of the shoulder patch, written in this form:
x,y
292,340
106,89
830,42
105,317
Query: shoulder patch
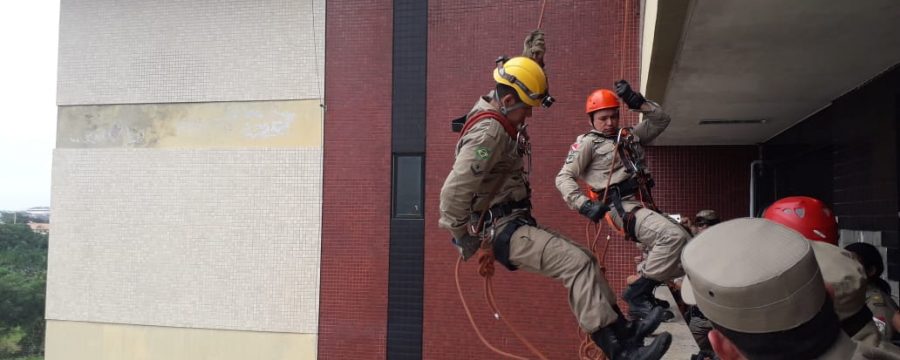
x,y
575,146
482,153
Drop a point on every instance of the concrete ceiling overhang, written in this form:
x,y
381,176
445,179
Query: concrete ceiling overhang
x,y
777,61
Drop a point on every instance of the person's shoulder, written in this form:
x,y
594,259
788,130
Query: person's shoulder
x,y
592,136
488,125
865,351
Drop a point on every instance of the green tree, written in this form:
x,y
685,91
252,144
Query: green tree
x,y
23,278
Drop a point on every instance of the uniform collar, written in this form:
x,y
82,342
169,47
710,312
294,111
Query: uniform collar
x,y
601,134
843,348
484,103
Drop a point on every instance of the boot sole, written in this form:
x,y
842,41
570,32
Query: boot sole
x,y
641,334
666,340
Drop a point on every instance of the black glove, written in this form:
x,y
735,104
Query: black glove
x,y
467,246
633,99
593,210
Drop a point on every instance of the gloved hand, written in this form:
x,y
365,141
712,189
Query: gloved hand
x,y
632,98
535,47
593,210
467,246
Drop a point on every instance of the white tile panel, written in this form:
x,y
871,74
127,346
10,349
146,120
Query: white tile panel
x,y
134,51
218,239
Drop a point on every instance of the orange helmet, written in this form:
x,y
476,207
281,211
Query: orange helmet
x,y
810,217
601,99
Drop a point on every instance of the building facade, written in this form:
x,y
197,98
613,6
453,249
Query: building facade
x,y
260,179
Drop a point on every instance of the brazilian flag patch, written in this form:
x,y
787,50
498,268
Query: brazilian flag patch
x,y
482,153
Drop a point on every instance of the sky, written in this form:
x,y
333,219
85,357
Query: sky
x,y
29,32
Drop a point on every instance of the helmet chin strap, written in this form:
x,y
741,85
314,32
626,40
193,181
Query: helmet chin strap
x,y
601,131
506,110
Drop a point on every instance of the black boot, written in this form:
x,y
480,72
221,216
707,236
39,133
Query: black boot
x,y
616,349
660,302
639,296
667,315
636,331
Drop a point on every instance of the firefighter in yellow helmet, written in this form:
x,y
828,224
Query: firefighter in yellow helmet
x,y
486,202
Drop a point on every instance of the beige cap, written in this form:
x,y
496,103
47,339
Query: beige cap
x,y
753,276
844,275
708,215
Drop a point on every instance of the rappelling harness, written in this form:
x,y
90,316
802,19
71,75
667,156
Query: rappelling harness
x,y
483,221
638,185
494,246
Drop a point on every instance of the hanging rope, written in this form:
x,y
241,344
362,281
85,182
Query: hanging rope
x,y
486,270
624,39
472,319
312,12
534,42
534,48
588,350
541,17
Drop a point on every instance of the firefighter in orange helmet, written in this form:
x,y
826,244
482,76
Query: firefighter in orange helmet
x,y
610,160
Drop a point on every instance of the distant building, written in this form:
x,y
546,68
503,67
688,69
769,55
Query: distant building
x,y
40,228
39,211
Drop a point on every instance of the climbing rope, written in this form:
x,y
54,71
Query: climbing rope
x,y
588,350
541,17
472,319
486,270
486,257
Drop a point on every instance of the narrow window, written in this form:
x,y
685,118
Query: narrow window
x,y
409,187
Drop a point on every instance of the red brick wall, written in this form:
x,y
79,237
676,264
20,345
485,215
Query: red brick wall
x,y
690,179
585,42
355,209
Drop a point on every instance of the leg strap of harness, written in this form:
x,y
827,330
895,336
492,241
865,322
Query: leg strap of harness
x,y
629,220
501,242
616,199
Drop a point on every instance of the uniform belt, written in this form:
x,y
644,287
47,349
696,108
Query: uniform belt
x,y
505,209
856,322
501,240
627,188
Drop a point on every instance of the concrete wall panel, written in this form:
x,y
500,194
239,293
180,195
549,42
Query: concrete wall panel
x,y
134,51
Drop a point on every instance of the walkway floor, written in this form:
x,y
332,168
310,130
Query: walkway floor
x,y
683,344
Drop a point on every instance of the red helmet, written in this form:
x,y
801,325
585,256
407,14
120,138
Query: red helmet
x,y
601,99
810,217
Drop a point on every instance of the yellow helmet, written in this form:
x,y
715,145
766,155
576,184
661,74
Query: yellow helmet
x,y
527,77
